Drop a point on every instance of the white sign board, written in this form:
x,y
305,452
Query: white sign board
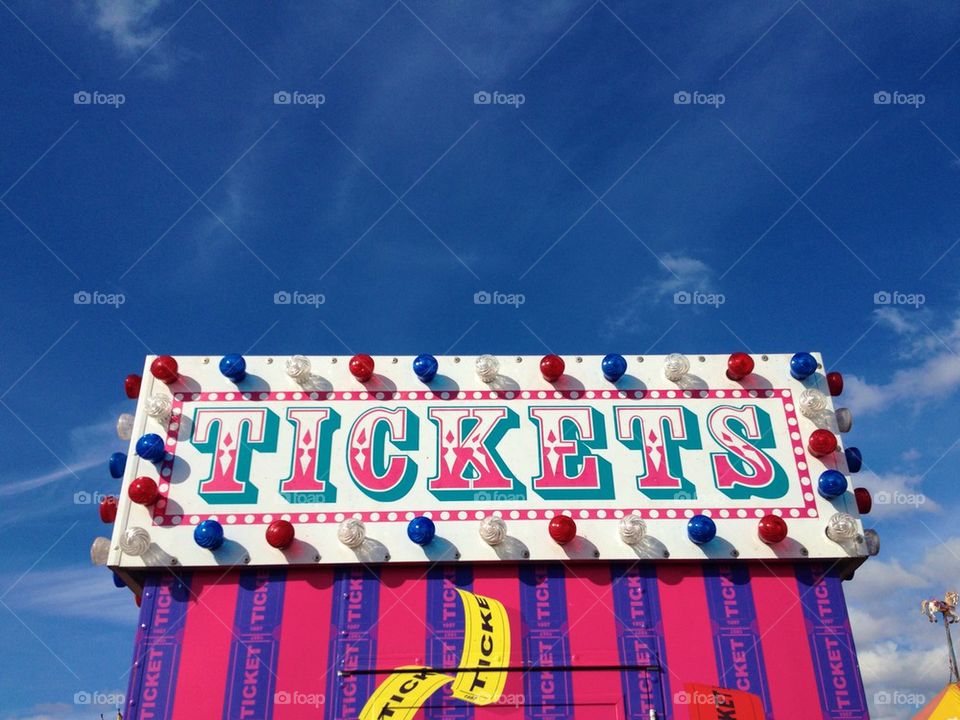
x,y
458,449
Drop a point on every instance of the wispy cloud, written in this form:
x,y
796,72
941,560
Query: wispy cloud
x,y
83,592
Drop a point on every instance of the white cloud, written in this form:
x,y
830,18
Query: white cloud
x,y
896,493
83,592
128,23
90,445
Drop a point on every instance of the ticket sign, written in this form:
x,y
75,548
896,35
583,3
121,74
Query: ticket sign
x,y
457,449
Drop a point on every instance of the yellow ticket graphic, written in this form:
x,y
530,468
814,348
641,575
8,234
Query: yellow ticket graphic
x,y
480,678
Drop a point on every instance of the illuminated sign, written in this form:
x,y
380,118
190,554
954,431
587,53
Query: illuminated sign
x,y
458,449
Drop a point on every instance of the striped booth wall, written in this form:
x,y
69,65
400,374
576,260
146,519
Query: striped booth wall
x,y
587,641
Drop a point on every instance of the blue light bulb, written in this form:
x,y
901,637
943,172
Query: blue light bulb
x,y
117,464
208,534
421,530
150,447
831,484
117,582
854,459
425,367
233,367
803,365
613,366
701,529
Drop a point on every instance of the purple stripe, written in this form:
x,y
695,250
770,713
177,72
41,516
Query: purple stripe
x,y
154,677
353,641
445,628
255,645
640,641
831,643
736,635
546,642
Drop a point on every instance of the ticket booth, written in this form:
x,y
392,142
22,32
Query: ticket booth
x,y
594,537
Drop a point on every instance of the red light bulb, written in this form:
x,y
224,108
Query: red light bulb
x,y
137,600
143,491
739,365
772,529
131,386
864,500
361,367
822,442
552,367
280,534
563,529
108,509
835,383
164,368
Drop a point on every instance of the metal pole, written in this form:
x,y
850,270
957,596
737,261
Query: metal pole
x,y
954,675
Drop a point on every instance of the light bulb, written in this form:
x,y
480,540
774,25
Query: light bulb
x,y
352,532
158,407
701,529
233,367
844,419
100,551
632,529
298,368
675,366
872,540
208,534
421,530
812,402
802,365
488,367
841,527
135,541
493,530
125,426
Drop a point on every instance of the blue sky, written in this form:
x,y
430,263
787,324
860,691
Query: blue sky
x,y
797,198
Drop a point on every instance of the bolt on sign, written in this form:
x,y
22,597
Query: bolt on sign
x,y
323,447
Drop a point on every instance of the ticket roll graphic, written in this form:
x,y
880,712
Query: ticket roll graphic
x,y
480,678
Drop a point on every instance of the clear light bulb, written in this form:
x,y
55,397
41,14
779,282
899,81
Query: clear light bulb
x,y
675,366
632,529
352,533
298,368
812,402
158,407
841,527
125,426
100,551
135,541
844,419
493,530
872,540
488,367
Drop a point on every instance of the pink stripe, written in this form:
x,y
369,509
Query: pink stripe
x,y
786,653
503,584
402,626
686,629
202,676
593,636
303,663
